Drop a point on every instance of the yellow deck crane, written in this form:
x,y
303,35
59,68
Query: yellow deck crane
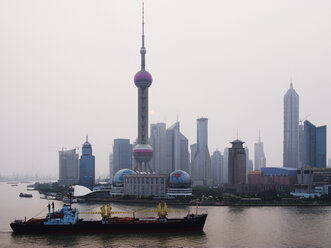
x,y
162,211
106,214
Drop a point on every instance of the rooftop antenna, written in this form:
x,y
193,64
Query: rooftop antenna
x,y
259,135
237,133
291,84
143,50
86,137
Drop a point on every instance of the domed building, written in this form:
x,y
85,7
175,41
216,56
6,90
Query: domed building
x,y
179,179
118,177
179,184
118,187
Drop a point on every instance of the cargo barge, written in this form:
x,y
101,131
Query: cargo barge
x,y
67,221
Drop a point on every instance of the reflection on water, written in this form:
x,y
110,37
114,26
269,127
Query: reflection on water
x,y
225,226
118,240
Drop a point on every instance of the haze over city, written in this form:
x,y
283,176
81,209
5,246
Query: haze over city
x,y
67,70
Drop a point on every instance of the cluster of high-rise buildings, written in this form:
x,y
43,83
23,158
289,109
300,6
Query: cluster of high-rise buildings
x,y
147,166
171,151
73,170
304,143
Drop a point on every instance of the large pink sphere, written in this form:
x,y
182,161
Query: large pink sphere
x,y
143,79
143,153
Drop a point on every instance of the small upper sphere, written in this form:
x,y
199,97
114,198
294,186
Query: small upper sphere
x,y
143,79
179,179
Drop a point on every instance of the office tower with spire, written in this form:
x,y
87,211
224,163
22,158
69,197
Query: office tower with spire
x,y
291,129
201,163
259,157
237,163
158,141
178,157
87,166
143,152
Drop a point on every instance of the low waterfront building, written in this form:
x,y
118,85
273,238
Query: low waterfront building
x,y
272,178
308,178
145,184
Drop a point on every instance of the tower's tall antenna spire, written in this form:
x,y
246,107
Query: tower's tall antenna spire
x,y
143,50
143,23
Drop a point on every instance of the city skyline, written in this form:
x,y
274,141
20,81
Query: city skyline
x,y
57,70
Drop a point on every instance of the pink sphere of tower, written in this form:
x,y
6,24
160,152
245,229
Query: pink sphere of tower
x,y
143,79
143,153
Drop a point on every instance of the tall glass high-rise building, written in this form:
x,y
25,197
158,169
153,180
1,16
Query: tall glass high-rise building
x,y
122,155
217,167
87,166
201,163
68,167
178,157
158,141
315,145
291,129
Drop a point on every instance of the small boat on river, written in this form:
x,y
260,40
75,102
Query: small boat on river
x,y
25,195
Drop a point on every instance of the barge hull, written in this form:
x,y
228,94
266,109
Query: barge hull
x,y
195,223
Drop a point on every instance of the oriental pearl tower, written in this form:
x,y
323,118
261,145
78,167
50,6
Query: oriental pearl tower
x,y
142,152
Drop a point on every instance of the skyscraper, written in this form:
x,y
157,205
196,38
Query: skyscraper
x,y
225,165
259,157
68,167
291,129
217,167
87,166
249,163
237,163
177,150
158,141
201,163
122,155
143,152
315,145
111,167
202,133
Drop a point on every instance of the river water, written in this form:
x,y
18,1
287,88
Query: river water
x,y
225,226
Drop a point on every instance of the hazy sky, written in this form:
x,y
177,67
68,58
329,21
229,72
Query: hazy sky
x,y
67,68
